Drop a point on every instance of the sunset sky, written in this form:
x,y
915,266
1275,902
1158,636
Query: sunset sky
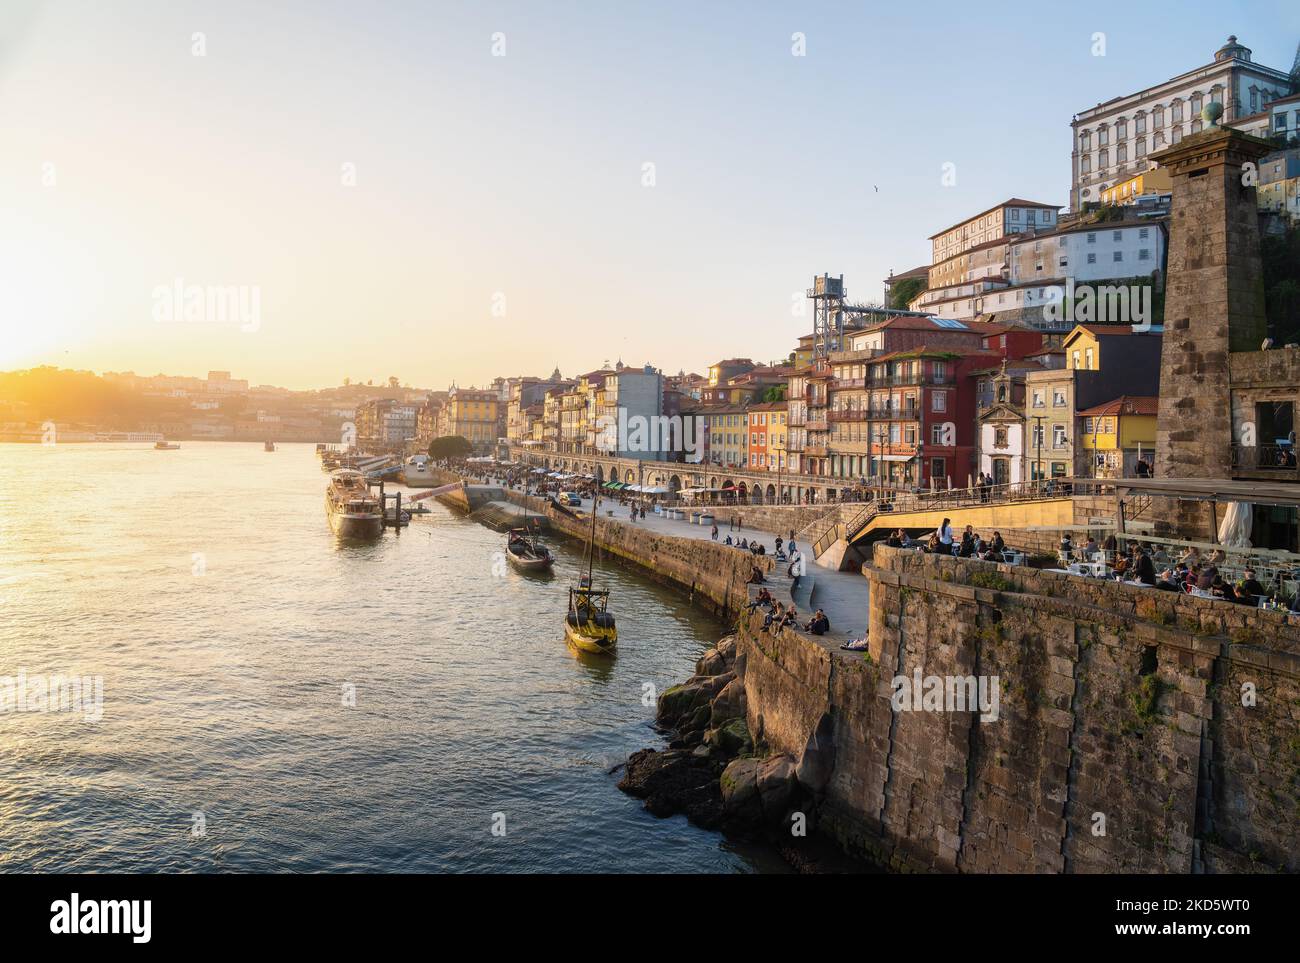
x,y
517,180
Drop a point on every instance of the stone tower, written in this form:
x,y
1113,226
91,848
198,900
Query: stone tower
x,y
1214,304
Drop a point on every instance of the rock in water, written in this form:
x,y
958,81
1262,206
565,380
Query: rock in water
x,y
675,781
711,662
776,784
728,704
739,783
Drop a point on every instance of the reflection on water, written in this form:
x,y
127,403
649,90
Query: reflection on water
x,y
232,630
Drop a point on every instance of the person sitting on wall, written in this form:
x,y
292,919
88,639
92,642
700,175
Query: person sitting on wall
x,y
774,617
934,546
756,575
1067,545
819,624
764,598
791,617
895,539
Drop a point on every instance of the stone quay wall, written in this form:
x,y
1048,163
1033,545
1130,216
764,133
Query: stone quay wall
x,y
1121,743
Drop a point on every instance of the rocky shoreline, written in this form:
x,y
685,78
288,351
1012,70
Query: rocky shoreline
x,y
722,777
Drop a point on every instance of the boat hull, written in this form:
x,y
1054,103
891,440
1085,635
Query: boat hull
x,y
602,644
349,525
530,564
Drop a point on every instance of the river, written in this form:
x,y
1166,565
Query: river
x,y
274,700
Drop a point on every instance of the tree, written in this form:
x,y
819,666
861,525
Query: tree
x,y
902,293
774,393
449,446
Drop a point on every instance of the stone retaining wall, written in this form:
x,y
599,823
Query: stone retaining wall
x,y
1121,744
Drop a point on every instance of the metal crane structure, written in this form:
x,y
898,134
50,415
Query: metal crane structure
x,y
832,313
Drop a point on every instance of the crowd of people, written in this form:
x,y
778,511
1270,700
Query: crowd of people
x,y
942,541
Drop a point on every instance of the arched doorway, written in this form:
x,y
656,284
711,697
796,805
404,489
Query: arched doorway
x,y
600,474
674,484
771,492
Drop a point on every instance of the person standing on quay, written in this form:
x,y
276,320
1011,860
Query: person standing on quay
x,y
714,533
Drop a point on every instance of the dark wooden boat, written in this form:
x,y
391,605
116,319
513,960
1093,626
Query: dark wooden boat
x,y
526,553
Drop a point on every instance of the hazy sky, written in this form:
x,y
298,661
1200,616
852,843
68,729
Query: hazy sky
x,y
516,183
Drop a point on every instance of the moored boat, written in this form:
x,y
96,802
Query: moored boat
x,y
588,626
353,512
268,446
165,446
526,553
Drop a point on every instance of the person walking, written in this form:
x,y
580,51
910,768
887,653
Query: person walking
x,y
714,533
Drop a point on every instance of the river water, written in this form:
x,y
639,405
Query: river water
x,y
274,700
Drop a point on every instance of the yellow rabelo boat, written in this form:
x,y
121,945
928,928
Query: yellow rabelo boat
x,y
588,626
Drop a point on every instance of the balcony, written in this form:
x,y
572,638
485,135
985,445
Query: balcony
x,y
847,414
1265,463
816,451
906,413
817,425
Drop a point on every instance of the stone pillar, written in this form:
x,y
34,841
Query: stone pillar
x,y
1214,304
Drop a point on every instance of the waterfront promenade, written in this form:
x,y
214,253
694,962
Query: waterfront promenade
x,y
842,595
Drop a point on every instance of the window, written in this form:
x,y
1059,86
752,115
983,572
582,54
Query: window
x,y
1158,117
909,434
1121,153
936,434
1038,398
1103,136
940,402
1117,235
1058,397
1142,147
1086,164
1087,359
1087,426
1075,359
1176,110
1092,238
1121,129
1058,436
1144,233
1140,123
1118,256
1036,436
938,468
1092,259
1065,262
1058,469
1000,436
1144,254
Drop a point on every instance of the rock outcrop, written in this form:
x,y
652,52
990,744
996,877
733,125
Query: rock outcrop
x,y
711,770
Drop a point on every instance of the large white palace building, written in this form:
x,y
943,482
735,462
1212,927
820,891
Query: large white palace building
x,y
1112,140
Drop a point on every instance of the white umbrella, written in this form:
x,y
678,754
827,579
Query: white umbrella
x,y
1234,531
